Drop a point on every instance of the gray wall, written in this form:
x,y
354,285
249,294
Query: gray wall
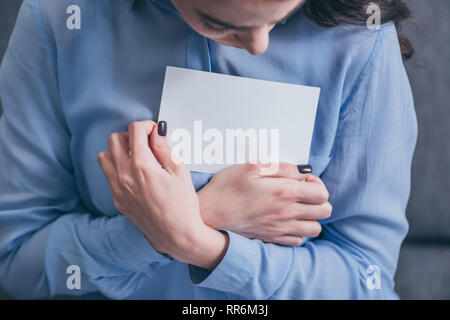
x,y
8,12
424,267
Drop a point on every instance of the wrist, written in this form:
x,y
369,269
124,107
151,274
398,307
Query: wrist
x,y
207,247
208,210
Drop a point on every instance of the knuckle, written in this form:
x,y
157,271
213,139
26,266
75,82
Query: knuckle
x,y
114,190
123,179
328,209
138,165
134,125
298,241
262,237
322,195
285,165
285,214
281,241
288,169
275,230
326,194
117,204
316,229
283,169
113,137
140,124
251,167
183,170
294,242
101,157
286,192
149,123
176,161
160,145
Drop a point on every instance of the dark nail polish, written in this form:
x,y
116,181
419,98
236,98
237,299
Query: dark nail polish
x,y
304,168
162,128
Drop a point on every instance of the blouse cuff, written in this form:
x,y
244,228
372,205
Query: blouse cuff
x,y
235,269
131,247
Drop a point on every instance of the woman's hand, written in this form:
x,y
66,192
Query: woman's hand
x,y
280,208
156,194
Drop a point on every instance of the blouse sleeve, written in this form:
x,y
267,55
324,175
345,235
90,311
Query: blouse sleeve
x,y
45,232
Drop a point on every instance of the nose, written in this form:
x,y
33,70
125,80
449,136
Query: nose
x,y
254,40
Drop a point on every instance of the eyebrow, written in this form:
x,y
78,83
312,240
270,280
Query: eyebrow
x,y
230,26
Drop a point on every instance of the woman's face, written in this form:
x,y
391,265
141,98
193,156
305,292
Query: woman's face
x,y
243,24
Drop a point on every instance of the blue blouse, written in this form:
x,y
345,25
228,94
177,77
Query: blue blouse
x,y
64,91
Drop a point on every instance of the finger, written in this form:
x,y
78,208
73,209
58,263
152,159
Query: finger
x,y
161,148
105,161
287,240
310,192
286,170
304,211
138,135
304,168
317,181
119,147
106,164
313,178
304,228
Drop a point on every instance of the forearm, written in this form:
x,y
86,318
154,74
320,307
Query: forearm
x,y
112,255
319,269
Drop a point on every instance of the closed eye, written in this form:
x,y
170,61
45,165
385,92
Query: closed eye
x,y
215,29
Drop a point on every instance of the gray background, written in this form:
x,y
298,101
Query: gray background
x,y
424,266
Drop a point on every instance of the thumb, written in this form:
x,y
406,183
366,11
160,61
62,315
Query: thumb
x,y
161,149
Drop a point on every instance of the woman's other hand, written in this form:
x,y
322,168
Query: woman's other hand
x,y
155,192
280,208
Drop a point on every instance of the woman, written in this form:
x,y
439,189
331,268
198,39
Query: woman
x,y
75,94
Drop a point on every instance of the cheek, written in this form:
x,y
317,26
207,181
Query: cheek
x,y
204,31
229,40
226,38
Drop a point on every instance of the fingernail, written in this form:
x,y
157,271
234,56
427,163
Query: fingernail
x,y
162,128
304,168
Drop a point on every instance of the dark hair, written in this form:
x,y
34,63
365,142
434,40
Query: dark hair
x,y
330,13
